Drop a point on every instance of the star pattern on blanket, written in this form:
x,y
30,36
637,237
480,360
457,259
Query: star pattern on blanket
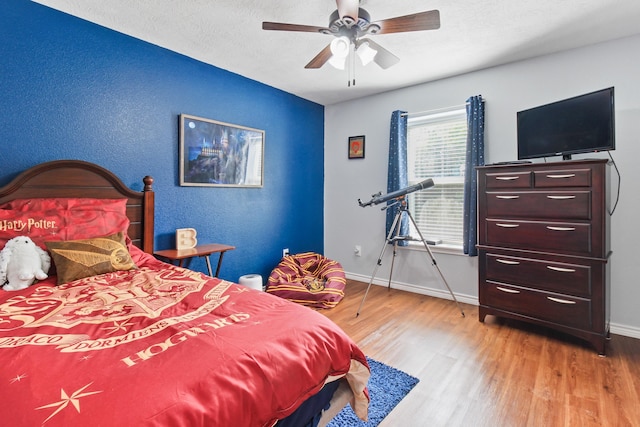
x,y
118,326
17,378
65,399
240,290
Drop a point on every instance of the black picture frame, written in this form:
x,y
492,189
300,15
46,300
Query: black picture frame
x,y
356,147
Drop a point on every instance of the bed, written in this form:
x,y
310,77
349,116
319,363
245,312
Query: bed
x,y
153,344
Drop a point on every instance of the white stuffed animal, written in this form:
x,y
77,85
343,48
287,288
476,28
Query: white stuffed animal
x,y
21,263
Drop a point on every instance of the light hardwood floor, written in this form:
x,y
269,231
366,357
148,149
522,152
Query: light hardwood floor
x,y
497,373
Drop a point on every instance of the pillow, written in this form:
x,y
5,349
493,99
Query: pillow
x,y
39,226
62,219
84,224
76,259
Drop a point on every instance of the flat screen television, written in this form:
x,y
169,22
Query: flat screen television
x,y
582,124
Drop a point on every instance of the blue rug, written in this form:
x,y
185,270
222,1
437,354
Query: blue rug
x,y
387,387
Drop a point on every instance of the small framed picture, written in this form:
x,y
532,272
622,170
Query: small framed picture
x,y
356,147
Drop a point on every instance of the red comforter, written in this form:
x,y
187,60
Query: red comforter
x,y
162,345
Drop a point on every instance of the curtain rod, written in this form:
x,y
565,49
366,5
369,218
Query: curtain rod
x,y
436,110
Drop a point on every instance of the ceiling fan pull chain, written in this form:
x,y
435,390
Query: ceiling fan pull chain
x,y
349,66
348,72
353,62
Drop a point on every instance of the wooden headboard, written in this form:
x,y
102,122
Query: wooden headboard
x,y
76,178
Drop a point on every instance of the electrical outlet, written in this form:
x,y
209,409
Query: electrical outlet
x,y
357,250
285,252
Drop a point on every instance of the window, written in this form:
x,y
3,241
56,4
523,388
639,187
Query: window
x,y
436,148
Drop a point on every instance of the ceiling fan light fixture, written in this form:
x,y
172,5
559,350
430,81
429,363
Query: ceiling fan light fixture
x,y
337,62
340,47
366,53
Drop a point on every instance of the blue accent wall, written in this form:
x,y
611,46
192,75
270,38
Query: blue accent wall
x,y
70,89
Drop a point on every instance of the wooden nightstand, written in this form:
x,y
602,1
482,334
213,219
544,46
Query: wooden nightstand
x,y
205,251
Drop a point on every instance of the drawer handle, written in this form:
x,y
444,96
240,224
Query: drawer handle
x,y
561,228
561,270
506,178
506,261
509,291
507,225
561,301
568,175
561,197
507,197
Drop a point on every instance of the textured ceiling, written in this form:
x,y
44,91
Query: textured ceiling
x,y
474,34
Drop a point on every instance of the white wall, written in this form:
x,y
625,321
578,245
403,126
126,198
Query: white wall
x,y
506,89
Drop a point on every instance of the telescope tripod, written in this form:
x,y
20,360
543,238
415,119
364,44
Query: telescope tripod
x,y
393,238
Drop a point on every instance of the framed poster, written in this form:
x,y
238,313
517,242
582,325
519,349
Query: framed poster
x,y
356,147
218,154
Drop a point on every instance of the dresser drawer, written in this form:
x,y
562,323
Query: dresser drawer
x,y
573,279
565,237
562,178
539,204
508,179
568,310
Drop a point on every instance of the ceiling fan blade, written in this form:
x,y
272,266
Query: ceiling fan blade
x,y
321,58
278,26
383,58
417,22
348,8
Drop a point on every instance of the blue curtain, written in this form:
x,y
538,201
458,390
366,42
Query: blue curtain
x,y
397,171
475,157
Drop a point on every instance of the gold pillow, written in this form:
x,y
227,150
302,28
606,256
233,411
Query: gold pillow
x,y
76,259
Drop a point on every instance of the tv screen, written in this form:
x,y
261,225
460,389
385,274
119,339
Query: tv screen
x,y
582,124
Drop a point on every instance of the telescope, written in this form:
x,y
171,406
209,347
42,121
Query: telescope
x,y
394,233
379,198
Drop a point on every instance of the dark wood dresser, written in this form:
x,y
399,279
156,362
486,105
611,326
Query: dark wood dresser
x,y
543,245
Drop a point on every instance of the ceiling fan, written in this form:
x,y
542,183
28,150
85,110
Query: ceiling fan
x,y
350,24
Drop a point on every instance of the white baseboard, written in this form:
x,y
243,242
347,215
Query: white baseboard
x,y
627,331
433,292
615,328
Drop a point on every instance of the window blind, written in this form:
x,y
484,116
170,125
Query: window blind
x,y
436,148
